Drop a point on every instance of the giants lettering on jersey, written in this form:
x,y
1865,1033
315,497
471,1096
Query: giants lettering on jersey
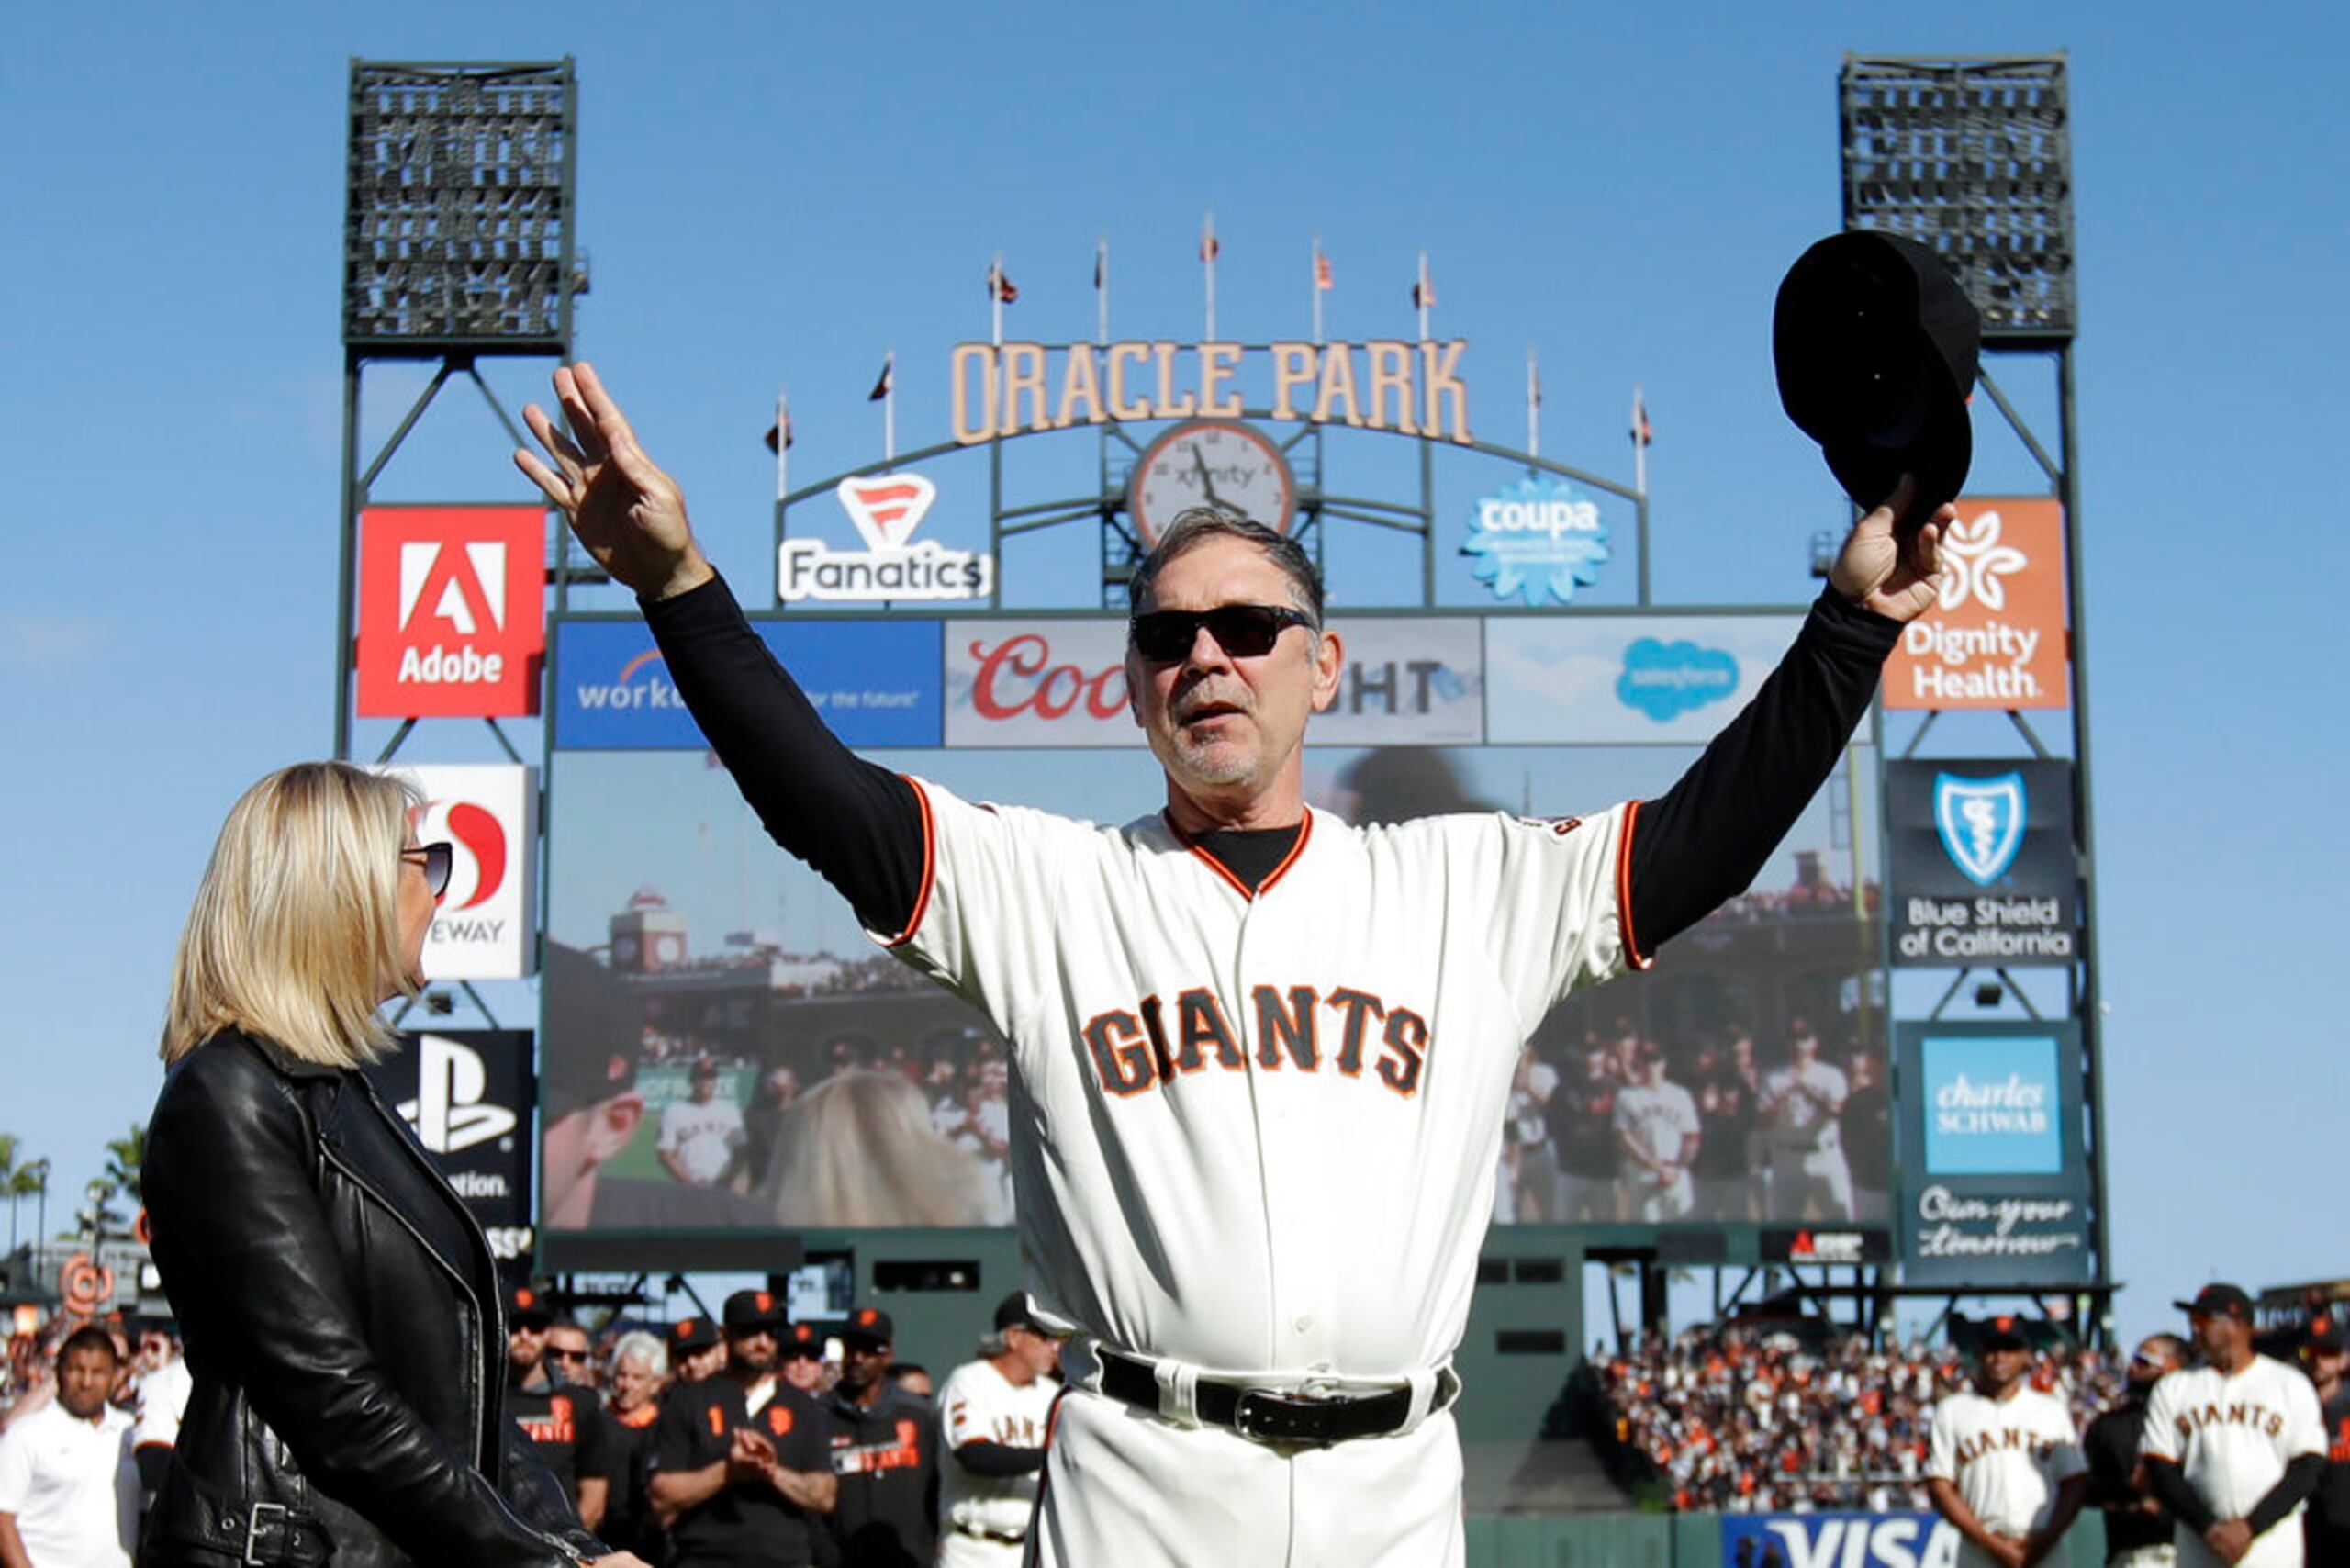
x,y
2007,1439
555,1426
1134,1049
2258,1418
903,1452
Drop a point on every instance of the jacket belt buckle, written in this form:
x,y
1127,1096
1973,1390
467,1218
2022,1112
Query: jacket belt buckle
x,y
255,1527
1271,1416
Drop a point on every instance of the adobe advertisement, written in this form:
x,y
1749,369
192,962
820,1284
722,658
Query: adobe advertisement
x,y
488,814
1993,1162
1980,854
1997,639
452,611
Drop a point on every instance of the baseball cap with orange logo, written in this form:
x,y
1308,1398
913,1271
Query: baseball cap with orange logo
x,y
872,1324
748,1312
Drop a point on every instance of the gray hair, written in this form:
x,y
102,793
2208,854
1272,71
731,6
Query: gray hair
x,y
645,1348
1196,525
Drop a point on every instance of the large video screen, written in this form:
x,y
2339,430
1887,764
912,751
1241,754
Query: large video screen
x,y
725,1049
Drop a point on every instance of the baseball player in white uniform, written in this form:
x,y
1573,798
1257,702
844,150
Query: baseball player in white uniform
x,y
2003,1463
1798,1110
1656,1134
2233,1445
699,1135
1261,1056
995,1413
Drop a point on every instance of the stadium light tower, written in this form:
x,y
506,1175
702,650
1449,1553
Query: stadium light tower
x,y
1972,158
458,243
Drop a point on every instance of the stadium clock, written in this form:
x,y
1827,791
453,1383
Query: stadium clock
x,y
1216,463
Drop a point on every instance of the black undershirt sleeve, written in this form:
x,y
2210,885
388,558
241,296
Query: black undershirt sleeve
x,y
2296,1487
856,822
983,1458
1704,840
2168,1482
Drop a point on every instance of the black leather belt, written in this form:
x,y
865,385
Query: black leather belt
x,y
1009,1538
1272,1414
265,1535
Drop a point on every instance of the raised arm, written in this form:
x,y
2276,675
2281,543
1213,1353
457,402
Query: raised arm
x,y
858,824
1704,840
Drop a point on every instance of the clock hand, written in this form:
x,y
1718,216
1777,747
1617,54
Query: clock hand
x,y
1207,483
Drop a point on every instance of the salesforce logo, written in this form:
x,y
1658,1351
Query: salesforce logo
x,y
1665,681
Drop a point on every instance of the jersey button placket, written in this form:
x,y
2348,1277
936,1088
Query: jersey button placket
x,y
1299,1182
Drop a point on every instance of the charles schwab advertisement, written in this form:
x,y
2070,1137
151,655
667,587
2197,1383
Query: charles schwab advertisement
x,y
1994,1167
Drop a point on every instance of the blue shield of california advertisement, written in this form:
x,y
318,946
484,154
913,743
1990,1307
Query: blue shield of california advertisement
x,y
1981,821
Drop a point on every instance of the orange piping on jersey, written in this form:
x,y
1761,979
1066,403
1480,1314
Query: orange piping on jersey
x,y
1304,832
1633,954
929,864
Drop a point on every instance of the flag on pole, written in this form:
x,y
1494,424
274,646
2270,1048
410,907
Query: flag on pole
x,y
1643,434
1424,289
1321,269
889,381
783,424
1209,246
1000,288
1102,289
1101,263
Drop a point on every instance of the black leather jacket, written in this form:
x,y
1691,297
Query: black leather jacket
x,y
346,1333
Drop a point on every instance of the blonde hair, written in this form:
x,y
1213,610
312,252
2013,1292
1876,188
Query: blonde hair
x,y
862,1152
296,926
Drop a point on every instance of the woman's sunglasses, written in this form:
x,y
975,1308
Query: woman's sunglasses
x,y
1244,630
436,859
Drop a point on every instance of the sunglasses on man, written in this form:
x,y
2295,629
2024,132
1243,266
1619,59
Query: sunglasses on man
x,y
436,858
1243,631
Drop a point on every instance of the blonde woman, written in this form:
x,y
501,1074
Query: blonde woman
x,y
859,1150
341,1314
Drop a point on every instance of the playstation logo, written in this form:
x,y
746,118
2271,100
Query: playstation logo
x,y
448,1113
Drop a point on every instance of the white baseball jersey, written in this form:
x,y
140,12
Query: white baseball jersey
x,y
1256,1133
979,1403
1803,1118
1659,1120
2232,1437
2006,1456
703,1137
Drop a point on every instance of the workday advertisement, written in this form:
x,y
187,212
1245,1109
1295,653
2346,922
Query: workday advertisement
x,y
1994,1167
1625,680
874,682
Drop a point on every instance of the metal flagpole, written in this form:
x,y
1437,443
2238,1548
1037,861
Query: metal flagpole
x,y
1422,296
1317,288
995,296
782,444
1533,405
1102,290
1640,441
889,407
1207,255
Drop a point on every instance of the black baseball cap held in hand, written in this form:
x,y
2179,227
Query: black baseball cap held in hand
x,y
1877,344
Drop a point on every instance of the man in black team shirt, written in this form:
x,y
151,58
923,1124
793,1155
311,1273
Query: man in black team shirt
x,y
1326,1017
2325,1356
563,1419
885,1451
2137,1527
742,1467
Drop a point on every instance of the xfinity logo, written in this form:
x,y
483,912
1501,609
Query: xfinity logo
x,y
448,1113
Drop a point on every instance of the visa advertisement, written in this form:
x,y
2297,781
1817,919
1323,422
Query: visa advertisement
x,y
1626,679
874,682
1837,1540
1993,1162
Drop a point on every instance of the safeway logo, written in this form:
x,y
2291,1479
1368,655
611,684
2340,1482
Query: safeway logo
x,y
888,508
488,813
452,622
481,865
451,1111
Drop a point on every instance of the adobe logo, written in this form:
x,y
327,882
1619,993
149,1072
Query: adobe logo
x,y
451,614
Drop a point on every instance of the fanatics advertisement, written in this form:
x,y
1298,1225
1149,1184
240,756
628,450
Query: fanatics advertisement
x,y
452,611
468,1093
1838,1540
1995,1168
1981,854
1998,640
779,1072
1626,679
893,566
483,929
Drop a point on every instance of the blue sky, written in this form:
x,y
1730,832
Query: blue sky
x,y
777,195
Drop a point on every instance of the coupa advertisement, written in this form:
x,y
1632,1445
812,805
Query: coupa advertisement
x,y
1837,1540
1995,1171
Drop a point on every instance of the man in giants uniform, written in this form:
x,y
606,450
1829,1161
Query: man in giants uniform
x,y
885,1453
2002,1464
1259,1057
1656,1141
1798,1111
2233,1446
994,1413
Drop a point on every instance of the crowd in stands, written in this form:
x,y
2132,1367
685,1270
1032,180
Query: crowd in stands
x,y
1766,1421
